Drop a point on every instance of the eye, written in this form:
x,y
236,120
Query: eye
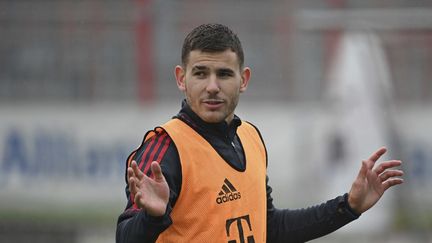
x,y
199,74
225,74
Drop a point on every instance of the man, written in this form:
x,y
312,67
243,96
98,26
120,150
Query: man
x,y
201,177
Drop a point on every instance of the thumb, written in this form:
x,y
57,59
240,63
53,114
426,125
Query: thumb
x,y
363,170
157,171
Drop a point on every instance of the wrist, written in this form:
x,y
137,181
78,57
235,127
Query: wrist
x,y
157,218
351,205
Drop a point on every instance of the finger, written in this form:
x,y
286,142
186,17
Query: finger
x,y
137,199
133,186
363,170
130,173
377,154
138,173
369,164
392,182
386,165
390,173
157,171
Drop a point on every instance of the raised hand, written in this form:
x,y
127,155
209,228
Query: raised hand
x,y
151,194
371,183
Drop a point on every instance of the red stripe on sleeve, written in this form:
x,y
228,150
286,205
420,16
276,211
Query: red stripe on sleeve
x,y
146,151
158,139
164,149
159,142
140,165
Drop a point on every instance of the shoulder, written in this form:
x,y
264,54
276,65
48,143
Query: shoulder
x,y
255,128
158,146
252,126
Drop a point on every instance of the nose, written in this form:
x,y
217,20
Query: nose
x,y
213,85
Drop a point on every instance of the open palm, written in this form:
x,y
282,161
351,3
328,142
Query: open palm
x,y
371,183
151,194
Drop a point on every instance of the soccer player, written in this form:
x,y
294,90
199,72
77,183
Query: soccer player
x,y
201,177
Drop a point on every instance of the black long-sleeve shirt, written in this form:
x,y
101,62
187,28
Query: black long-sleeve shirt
x,y
283,225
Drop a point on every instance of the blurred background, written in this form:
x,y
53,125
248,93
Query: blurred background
x,y
82,81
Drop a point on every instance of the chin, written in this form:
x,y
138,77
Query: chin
x,y
212,118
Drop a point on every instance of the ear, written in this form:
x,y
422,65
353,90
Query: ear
x,y
180,74
245,77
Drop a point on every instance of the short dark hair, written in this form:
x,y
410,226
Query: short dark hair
x,y
212,38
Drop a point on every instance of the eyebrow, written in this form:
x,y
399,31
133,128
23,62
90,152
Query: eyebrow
x,y
225,70
205,68
201,68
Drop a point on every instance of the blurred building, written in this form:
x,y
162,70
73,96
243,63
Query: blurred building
x,y
81,82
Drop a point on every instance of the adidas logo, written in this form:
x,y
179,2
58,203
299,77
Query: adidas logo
x,y
228,193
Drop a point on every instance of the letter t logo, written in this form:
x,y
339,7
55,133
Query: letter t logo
x,y
239,220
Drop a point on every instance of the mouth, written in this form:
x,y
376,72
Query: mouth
x,y
213,104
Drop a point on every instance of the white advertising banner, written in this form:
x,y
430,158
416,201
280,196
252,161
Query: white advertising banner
x,y
69,157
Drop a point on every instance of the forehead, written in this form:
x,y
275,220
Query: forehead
x,y
225,59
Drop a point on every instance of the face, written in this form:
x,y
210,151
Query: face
x,y
212,83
